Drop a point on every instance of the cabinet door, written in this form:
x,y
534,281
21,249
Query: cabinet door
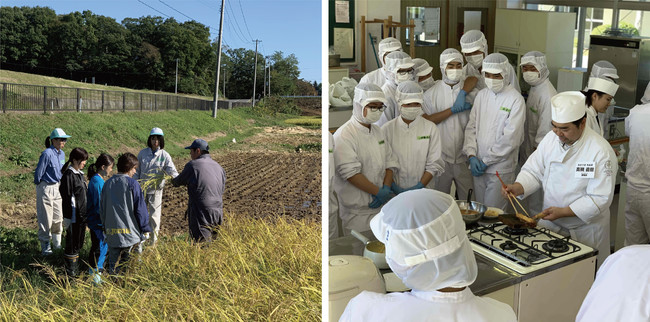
x,y
533,31
506,31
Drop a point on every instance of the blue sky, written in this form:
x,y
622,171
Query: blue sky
x,y
290,26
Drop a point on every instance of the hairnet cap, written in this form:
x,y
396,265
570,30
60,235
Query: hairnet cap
x,y
58,134
449,55
365,93
409,92
426,243
534,58
156,131
601,85
422,67
389,44
567,107
602,69
398,60
199,144
496,63
472,41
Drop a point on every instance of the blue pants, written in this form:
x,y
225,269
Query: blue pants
x,y
98,249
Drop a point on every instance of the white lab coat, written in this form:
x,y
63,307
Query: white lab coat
x,y
392,110
437,99
359,150
416,147
637,216
595,121
553,168
333,202
620,291
538,117
376,76
426,306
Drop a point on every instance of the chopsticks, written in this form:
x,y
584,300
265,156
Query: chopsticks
x,y
511,196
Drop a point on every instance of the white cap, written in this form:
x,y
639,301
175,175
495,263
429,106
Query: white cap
x,y
422,67
58,134
603,69
472,41
398,60
602,85
537,59
156,131
388,45
426,242
567,107
409,92
497,63
364,94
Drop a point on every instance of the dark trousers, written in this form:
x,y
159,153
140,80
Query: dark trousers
x,y
74,237
98,249
118,257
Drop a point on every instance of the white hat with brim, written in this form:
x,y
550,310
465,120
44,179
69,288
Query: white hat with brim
x,y
467,50
567,107
601,85
156,131
425,72
58,134
375,99
405,65
411,100
492,70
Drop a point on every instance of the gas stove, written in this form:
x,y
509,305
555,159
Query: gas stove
x,y
524,250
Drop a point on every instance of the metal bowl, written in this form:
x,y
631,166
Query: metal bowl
x,y
474,205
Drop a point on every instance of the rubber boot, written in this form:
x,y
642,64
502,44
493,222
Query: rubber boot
x,y
46,250
56,241
71,264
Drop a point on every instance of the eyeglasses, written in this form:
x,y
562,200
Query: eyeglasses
x,y
377,108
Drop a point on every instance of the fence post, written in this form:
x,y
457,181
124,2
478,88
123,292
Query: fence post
x,y
141,105
4,98
103,101
176,103
44,99
167,105
78,100
123,101
155,102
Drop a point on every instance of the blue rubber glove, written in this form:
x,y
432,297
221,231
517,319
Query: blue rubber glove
x,y
415,187
375,203
483,166
475,166
383,194
396,188
459,104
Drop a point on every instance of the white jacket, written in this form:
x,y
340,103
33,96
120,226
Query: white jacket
x,y
426,306
437,99
594,121
375,77
151,163
637,127
359,150
496,129
392,110
553,168
538,116
416,147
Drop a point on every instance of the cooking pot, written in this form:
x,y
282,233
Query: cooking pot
x,y
374,250
473,206
349,275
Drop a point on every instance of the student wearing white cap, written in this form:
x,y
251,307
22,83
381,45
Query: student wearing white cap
x,y
538,112
637,216
152,161
378,76
428,249
620,291
576,167
475,48
414,141
494,132
399,68
364,161
47,179
423,73
599,96
446,106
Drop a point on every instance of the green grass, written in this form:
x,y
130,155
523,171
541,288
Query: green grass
x,y
256,270
309,121
22,136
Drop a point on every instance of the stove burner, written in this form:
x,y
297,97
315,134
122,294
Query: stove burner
x,y
556,245
515,231
508,245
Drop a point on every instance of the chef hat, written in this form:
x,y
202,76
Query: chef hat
x,y
497,63
567,107
472,41
409,92
426,243
422,67
602,85
603,69
364,94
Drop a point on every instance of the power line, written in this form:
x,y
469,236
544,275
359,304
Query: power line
x,y
244,16
188,17
232,15
152,8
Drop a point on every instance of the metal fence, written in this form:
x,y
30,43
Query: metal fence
x,y
21,97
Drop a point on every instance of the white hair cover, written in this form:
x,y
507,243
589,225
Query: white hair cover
x,y
603,69
472,41
497,63
537,59
448,55
422,67
365,93
409,92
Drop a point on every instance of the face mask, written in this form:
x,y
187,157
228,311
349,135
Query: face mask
x,y
427,83
531,77
402,77
495,85
372,116
475,60
410,113
454,75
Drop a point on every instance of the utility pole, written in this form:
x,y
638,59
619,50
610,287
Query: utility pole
x,y
255,73
216,78
269,78
264,87
176,85
224,82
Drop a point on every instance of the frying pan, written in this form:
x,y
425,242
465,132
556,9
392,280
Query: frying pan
x,y
512,221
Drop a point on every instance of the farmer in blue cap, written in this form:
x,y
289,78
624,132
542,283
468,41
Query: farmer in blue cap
x,y
152,161
48,199
205,181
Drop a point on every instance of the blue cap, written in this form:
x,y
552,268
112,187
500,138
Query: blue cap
x,y
58,134
199,144
156,131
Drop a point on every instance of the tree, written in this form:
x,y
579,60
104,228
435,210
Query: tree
x,y
284,73
24,35
305,88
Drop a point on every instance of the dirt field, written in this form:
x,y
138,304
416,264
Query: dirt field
x,y
260,183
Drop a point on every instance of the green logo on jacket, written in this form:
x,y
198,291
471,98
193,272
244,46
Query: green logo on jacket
x,y
503,108
381,142
424,137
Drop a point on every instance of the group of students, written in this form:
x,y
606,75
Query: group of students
x,y
408,133
120,215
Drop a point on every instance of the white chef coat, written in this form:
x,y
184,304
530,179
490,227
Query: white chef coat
x,y
392,110
553,168
333,202
376,76
151,163
595,121
358,149
416,147
637,216
538,117
496,129
426,306
620,291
